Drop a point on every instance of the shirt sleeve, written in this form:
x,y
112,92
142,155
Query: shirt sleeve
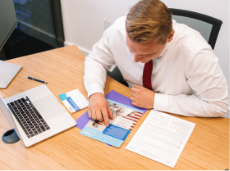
x,y
210,90
96,63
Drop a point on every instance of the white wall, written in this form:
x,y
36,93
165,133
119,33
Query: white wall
x,y
84,26
83,19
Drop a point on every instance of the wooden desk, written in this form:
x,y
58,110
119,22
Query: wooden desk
x,y
63,68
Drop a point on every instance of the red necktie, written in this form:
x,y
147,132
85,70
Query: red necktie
x,y
147,74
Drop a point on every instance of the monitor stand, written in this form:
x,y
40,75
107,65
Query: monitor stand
x,y
7,72
10,137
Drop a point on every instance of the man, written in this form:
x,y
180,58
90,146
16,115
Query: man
x,y
168,66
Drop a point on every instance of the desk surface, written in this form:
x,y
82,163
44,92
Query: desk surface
x,y
63,69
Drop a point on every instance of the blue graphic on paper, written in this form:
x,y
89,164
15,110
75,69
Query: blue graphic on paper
x,y
116,132
63,96
72,103
98,135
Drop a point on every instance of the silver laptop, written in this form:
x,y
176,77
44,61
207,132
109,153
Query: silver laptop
x,y
7,73
36,115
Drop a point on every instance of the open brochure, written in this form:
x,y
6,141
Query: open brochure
x,y
124,119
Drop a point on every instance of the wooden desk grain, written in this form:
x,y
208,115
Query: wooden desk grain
x,y
63,69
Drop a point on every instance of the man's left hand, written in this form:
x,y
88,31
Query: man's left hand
x,y
142,97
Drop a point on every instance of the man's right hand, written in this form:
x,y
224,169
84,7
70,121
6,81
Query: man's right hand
x,y
98,108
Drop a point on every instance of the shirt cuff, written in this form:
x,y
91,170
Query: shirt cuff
x,y
94,88
161,102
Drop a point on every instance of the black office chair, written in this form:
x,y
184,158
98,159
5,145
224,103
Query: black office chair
x,y
208,27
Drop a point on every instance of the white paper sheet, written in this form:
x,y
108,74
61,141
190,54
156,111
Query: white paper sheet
x,y
161,137
74,100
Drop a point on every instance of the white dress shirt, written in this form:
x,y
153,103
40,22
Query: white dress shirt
x,y
186,78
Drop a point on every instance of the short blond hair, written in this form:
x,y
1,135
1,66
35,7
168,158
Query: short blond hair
x,y
149,20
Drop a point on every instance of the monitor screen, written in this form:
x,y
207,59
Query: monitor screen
x,y
8,20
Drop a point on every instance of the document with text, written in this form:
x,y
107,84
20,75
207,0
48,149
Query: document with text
x,y
161,137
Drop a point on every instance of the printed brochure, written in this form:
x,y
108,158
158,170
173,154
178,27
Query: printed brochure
x,y
124,120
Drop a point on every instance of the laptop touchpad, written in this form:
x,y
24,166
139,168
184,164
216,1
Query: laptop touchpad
x,y
49,107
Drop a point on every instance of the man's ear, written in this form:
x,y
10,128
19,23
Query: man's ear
x,y
171,36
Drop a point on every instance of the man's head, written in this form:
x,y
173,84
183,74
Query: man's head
x,y
149,28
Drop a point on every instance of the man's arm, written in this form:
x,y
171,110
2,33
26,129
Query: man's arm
x,y
97,62
210,98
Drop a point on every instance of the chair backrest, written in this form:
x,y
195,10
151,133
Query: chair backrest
x,y
208,27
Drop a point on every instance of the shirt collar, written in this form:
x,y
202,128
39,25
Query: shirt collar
x,y
164,50
162,53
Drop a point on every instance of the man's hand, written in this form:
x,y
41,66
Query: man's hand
x,y
142,97
98,108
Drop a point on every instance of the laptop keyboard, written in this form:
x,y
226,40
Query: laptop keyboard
x,y
28,117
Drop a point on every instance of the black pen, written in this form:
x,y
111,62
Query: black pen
x,y
36,79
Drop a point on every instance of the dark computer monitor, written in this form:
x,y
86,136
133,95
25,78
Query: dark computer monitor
x,y
8,22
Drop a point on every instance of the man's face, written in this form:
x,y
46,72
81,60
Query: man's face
x,y
144,52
